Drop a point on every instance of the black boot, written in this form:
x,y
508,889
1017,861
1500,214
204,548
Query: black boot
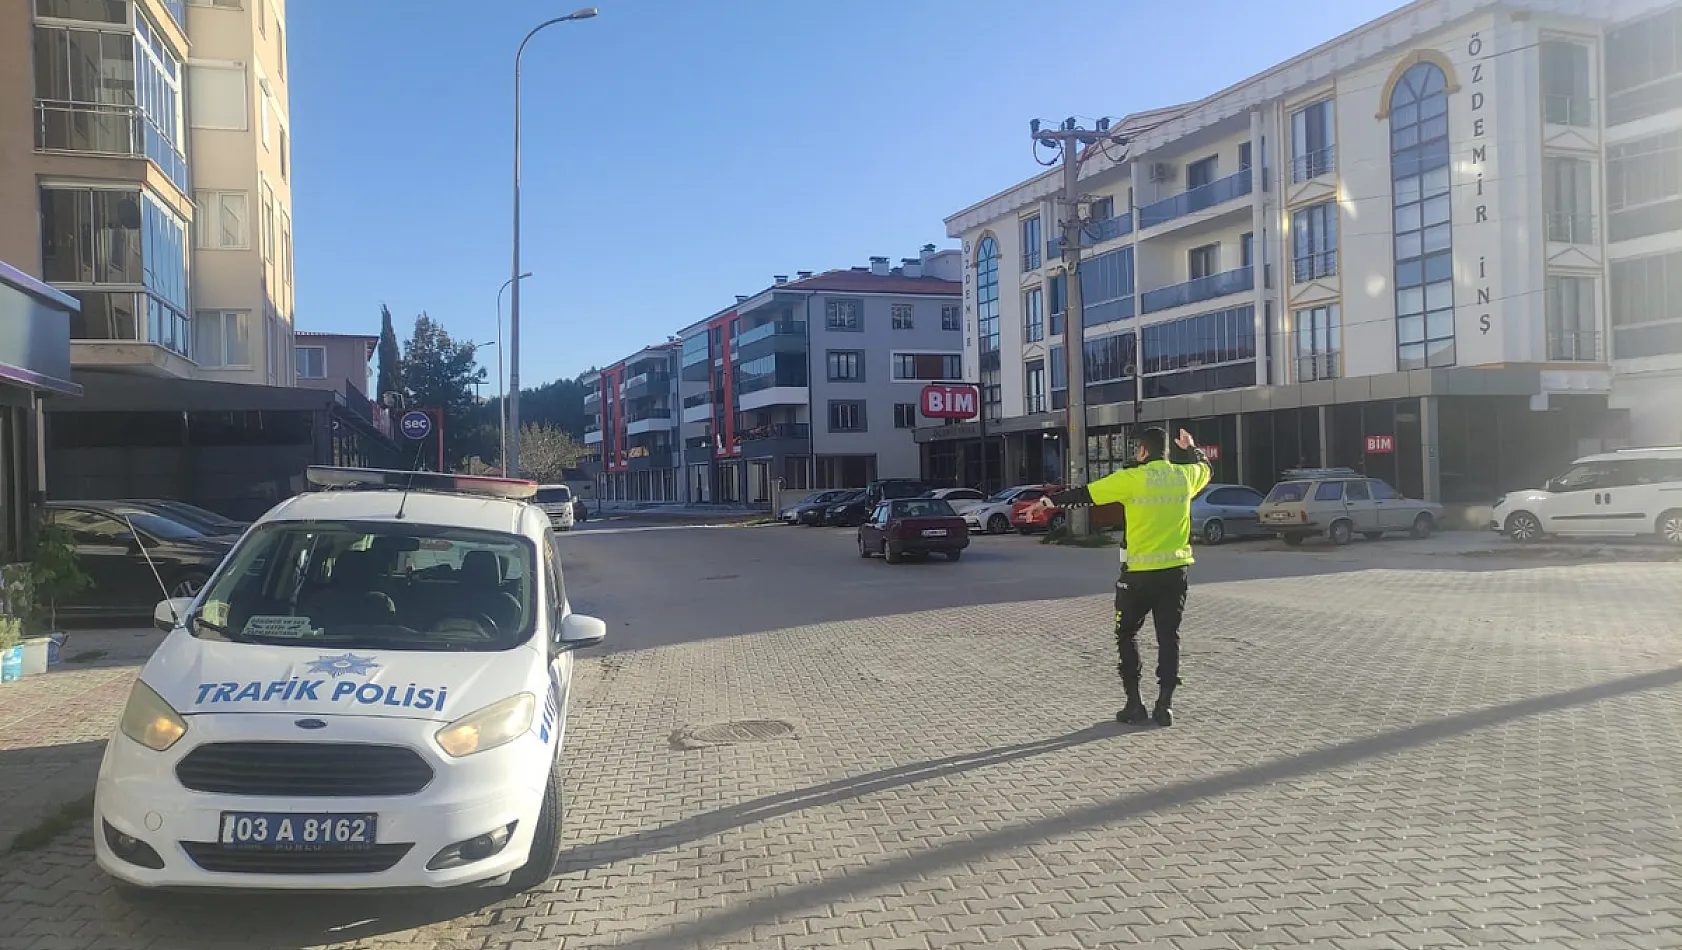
x,y
1163,713
1134,712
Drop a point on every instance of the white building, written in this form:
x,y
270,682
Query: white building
x,y
1391,252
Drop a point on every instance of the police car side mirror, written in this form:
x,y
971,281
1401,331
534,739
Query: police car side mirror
x,y
169,614
578,631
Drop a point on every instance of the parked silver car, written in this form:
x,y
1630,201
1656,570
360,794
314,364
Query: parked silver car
x,y
1226,512
1338,503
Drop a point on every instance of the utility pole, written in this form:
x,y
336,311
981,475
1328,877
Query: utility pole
x,y
1070,139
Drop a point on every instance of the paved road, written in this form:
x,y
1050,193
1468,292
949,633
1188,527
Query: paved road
x,y
1377,748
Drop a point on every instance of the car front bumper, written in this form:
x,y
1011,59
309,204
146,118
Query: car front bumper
x,y
138,795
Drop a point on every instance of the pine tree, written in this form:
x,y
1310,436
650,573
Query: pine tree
x,y
390,376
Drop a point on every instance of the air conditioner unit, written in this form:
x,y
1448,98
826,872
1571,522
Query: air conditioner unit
x,y
1163,171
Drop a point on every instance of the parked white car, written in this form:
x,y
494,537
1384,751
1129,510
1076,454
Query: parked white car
x,y
1628,493
994,516
371,692
961,499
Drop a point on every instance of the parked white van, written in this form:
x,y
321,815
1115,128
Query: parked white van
x,y
1627,493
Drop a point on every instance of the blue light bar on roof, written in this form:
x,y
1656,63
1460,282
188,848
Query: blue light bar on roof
x,y
380,479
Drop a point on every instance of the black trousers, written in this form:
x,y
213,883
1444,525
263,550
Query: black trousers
x,y
1160,595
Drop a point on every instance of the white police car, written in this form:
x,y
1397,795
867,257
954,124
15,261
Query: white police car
x,y
370,692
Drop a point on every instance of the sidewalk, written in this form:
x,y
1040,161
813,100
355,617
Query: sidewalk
x,y
53,725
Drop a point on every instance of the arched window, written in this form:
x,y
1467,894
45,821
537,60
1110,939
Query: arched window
x,y
987,325
1424,246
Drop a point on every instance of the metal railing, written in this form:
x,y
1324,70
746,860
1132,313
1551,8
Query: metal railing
x,y
1033,404
106,129
1200,289
698,400
775,430
1314,266
1567,227
1217,192
1110,228
594,395
766,331
1033,332
1574,346
1031,260
1322,364
1561,109
648,414
592,427
1312,165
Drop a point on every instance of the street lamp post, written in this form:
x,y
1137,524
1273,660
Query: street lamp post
x,y
502,394
512,456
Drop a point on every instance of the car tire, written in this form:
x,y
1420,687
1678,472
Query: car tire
x,y
188,584
546,838
998,524
1523,527
1373,535
1291,540
1669,527
891,553
1422,527
954,555
863,551
1214,532
1341,532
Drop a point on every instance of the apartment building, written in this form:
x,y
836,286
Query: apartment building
x,y
631,413
1385,253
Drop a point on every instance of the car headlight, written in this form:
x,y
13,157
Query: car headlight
x,y
497,724
149,720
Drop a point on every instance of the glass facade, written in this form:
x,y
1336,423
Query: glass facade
x,y
987,325
1198,354
1424,252
1106,287
124,253
777,369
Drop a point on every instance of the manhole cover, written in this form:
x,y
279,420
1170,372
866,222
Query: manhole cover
x,y
722,577
731,733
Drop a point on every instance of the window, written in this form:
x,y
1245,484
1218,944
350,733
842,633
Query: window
x,y
280,49
1424,257
1101,209
1243,155
268,223
105,236
1204,261
1647,306
1313,141
1202,172
987,295
846,366
101,11
311,361
951,317
1033,316
1106,286
1059,365
903,316
1573,332
1314,242
265,113
1570,197
846,416
928,366
1381,490
286,259
1565,83
1317,343
1644,67
1058,293
1225,336
263,17
1033,387
90,236
285,171
1247,249
841,314
1329,491
1109,358
1032,243
218,97
1644,187
905,415
222,339
1235,497
221,220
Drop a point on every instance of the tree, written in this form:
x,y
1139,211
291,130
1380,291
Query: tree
x,y
439,373
546,453
390,375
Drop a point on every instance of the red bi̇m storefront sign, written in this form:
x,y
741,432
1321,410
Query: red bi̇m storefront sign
x,y
951,401
1381,444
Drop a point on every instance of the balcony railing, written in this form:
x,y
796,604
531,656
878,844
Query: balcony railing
x,y
1217,192
766,331
1032,404
1312,165
775,430
643,380
105,129
1318,365
1577,111
178,10
592,427
1097,232
1314,266
1574,346
754,384
697,400
700,442
648,414
1571,227
1202,288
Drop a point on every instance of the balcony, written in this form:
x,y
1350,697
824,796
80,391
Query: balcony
x,y
644,383
1574,346
766,391
1570,228
1203,197
1314,266
1318,365
593,436
89,128
698,408
1223,284
777,438
1312,165
778,336
649,421
1097,232
592,398
639,458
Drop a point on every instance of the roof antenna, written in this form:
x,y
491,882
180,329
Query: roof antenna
x,y
409,484
134,533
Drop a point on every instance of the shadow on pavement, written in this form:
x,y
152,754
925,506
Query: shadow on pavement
x,y
860,881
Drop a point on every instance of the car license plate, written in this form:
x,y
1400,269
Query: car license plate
x,y
1278,516
270,831
934,532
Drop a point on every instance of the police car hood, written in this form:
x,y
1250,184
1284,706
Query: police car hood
x,y
213,677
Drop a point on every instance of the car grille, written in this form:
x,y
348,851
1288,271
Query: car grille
x,y
213,857
303,769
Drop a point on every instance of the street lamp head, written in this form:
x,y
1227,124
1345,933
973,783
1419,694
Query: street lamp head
x,y
525,275
582,14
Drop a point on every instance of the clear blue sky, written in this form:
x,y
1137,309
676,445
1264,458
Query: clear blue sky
x,y
679,152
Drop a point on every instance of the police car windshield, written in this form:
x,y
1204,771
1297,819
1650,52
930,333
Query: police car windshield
x,y
553,496
375,586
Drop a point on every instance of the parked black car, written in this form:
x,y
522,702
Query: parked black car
x,y
811,512
207,521
119,545
850,513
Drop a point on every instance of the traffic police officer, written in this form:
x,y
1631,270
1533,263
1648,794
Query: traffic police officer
x,y
1156,494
